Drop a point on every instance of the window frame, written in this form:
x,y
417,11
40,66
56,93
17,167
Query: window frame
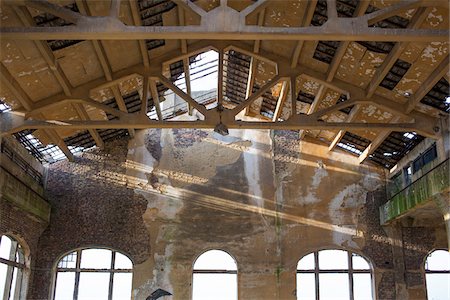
x,y
350,271
215,271
12,265
78,270
426,271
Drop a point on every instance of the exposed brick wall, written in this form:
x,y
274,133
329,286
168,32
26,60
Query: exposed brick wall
x,y
91,206
22,226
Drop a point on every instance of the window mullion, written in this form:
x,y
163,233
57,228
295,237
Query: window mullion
x,y
18,287
77,275
8,281
111,275
316,273
350,275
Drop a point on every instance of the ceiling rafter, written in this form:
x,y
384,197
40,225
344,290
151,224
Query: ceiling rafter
x,y
253,62
52,62
306,22
23,98
281,99
98,47
121,104
8,80
333,67
45,51
338,29
376,142
138,22
303,122
155,97
395,53
353,113
295,122
428,84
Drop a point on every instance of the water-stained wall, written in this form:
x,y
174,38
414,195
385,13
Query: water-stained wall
x,y
263,196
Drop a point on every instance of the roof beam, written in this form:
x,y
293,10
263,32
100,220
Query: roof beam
x,y
304,123
53,136
220,79
293,91
121,104
341,133
45,51
395,53
114,10
58,141
253,97
56,10
82,113
253,63
181,22
428,84
340,52
98,47
306,22
392,10
187,81
314,106
339,29
281,99
145,94
201,108
155,96
250,81
190,6
8,80
376,142
137,21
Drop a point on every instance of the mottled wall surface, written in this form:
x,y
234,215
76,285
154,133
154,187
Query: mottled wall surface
x,y
263,196
91,206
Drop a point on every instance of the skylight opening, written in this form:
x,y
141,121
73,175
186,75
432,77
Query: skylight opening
x,y
350,148
4,107
409,135
204,76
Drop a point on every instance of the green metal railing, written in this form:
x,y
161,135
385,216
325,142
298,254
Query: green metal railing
x,y
418,193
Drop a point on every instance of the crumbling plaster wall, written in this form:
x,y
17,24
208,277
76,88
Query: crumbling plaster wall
x,y
263,196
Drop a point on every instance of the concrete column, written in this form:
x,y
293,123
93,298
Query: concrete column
x,y
443,203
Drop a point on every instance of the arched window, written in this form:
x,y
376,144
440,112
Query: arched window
x,y
12,266
87,274
333,274
215,276
437,272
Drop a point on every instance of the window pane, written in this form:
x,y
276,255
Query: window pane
x,y
122,262
5,247
438,260
438,286
13,284
96,259
68,261
333,286
93,286
362,286
65,282
122,286
306,287
333,259
215,286
359,262
306,263
3,269
215,260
